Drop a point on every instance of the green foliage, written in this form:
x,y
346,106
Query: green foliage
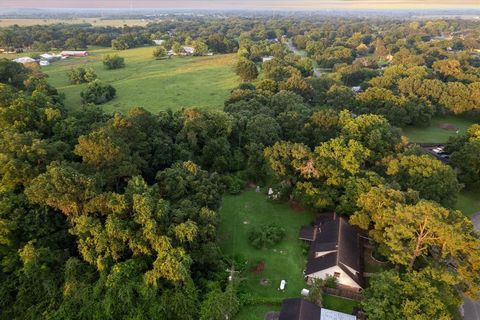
x,y
111,62
315,293
220,305
97,93
430,177
416,295
80,75
266,236
159,52
246,70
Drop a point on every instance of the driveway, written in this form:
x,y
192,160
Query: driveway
x,y
471,309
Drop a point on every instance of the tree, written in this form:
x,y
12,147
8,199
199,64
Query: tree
x,y
415,295
200,48
119,44
12,73
113,62
81,75
266,236
220,305
160,52
246,70
97,93
409,230
315,294
430,177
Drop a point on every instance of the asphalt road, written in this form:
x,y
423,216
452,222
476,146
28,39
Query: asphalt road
x,y
471,309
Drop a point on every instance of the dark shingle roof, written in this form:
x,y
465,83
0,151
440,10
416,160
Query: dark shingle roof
x,y
299,309
307,233
336,234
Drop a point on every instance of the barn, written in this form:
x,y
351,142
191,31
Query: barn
x,y
74,53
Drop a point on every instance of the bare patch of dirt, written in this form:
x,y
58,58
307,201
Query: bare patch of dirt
x,y
295,206
258,267
448,126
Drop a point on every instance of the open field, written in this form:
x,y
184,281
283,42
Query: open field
x,y
434,133
153,84
93,21
239,214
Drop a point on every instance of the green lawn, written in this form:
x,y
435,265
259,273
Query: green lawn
x,y
434,133
339,304
468,202
239,214
256,312
153,84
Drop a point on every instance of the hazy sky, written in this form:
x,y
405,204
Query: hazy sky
x,y
246,4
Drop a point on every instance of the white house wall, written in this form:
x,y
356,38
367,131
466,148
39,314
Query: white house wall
x,y
344,278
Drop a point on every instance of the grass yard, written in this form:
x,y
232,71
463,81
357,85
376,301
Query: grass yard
x,y
256,312
339,304
434,133
468,202
239,214
152,84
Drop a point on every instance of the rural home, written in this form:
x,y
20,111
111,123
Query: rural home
x,y
74,53
158,42
299,309
188,50
335,250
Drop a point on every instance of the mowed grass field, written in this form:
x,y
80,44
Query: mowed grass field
x,y
284,261
152,84
434,133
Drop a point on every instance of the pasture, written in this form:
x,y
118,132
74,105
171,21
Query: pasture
x,y
152,84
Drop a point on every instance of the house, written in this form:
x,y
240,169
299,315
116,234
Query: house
x,y
267,58
50,57
299,309
356,89
24,60
335,250
158,42
188,50
74,53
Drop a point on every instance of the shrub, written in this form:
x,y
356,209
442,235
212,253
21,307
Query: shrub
x,y
81,75
266,236
234,184
97,93
160,52
330,282
113,62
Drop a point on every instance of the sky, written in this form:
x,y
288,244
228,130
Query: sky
x,y
245,4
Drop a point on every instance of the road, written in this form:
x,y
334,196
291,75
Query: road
x,y
316,71
471,309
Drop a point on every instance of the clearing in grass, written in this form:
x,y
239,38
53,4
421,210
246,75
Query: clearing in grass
x,y
152,84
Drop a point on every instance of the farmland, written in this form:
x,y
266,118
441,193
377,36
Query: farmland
x,y
153,84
